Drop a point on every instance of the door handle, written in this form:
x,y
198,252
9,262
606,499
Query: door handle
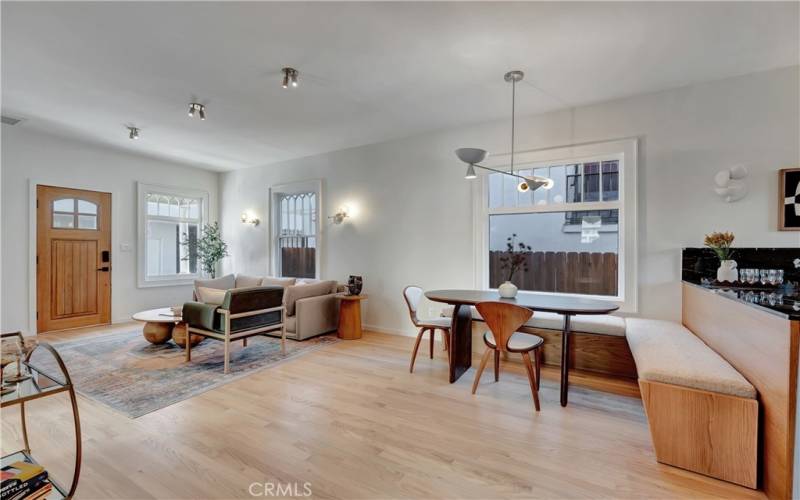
x,y
104,269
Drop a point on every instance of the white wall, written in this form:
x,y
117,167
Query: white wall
x,y
63,162
415,222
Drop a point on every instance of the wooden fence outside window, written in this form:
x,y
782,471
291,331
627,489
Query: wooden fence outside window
x,y
591,273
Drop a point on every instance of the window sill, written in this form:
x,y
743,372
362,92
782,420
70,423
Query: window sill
x,y
168,282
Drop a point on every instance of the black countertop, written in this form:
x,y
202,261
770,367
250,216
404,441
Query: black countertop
x,y
783,301
699,267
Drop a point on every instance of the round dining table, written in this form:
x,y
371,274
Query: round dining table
x,y
461,326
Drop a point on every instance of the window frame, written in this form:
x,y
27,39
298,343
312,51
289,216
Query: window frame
x,y
276,192
623,150
145,281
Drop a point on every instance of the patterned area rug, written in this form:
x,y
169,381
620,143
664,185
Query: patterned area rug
x,y
130,375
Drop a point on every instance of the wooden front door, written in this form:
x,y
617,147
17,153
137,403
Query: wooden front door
x,y
73,256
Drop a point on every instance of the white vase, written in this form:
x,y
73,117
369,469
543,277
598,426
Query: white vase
x,y
727,271
507,290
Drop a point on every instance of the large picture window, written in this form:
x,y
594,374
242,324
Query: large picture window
x,y
572,236
170,223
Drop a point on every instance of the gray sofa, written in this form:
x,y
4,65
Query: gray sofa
x,y
312,306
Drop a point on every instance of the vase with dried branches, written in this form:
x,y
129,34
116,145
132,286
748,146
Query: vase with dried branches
x,y
514,259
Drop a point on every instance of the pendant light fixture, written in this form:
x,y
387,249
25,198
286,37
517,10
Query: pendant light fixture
x,y
473,156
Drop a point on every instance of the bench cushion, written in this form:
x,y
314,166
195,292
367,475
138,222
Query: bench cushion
x,y
587,323
669,353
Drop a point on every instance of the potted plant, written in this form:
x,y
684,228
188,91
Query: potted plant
x,y
515,258
210,248
721,244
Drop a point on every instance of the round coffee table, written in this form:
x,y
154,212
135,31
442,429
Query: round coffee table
x,y
158,324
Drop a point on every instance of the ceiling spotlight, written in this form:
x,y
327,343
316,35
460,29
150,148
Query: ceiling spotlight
x,y
199,108
133,132
289,77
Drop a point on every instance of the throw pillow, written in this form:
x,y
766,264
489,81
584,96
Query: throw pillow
x,y
284,282
244,281
222,283
211,296
295,293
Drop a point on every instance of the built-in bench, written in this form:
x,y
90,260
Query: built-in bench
x,y
703,414
597,342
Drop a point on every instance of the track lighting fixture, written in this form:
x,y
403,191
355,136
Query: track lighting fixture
x,y
133,132
200,109
289,77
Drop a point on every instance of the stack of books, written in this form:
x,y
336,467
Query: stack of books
x,y
24,480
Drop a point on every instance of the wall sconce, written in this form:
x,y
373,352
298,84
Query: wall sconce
x,y
249,218
729,184
340,216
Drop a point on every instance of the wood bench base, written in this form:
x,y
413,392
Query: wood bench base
x,y
594,352
705,432
590,352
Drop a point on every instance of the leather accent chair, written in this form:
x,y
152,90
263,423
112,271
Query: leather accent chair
x,y
244,312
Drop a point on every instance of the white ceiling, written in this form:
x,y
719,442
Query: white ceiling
x,y
369,72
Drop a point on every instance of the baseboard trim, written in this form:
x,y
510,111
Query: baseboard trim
x,y
390,331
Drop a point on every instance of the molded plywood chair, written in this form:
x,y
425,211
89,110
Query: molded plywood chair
x,y
503,320
413,294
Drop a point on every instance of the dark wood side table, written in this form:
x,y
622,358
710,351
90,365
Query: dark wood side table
x,y
350,317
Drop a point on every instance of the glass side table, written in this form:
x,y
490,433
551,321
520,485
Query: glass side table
x,y
42,384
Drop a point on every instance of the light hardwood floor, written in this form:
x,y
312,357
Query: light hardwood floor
x,y
351,421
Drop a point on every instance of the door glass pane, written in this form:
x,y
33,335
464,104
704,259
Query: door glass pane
x,y
570,252
87,222
65,205
63,221
86,207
